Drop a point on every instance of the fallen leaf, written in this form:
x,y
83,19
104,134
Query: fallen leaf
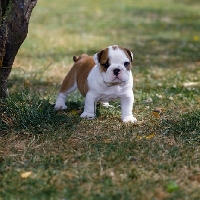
x,y
150,136
139,137
157,112
26,174
195,178
189,84
27,83
72,113
107,141
145,136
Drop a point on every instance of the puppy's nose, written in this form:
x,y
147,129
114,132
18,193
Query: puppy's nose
x,y
116,71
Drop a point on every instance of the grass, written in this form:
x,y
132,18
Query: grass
x,y
46,154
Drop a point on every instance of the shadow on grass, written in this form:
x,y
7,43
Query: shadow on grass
x,y
29,114
165,52
162,34
185,128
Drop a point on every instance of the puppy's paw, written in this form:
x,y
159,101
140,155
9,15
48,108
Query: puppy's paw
x,y
60,107
88,115
129,119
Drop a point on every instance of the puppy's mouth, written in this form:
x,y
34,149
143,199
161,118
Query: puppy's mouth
x,y
117,79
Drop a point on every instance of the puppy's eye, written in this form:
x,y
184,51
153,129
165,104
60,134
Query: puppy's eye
x,y
126,64
106,65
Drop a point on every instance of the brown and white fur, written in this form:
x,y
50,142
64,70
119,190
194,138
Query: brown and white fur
x,y
103,77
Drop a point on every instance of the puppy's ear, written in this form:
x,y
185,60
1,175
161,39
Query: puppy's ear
x,y
97,56
129,53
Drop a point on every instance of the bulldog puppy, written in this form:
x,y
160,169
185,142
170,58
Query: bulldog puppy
x,y
104,77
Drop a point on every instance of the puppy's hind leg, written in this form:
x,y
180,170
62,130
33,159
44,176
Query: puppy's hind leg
x,y
69,85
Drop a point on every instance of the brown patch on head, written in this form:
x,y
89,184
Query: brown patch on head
x,y
103,59
128,53
129,56
114,47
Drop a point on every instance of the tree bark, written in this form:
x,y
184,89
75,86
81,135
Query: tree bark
x,y
14,20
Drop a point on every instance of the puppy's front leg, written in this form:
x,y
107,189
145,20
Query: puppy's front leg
x,y
90,106
126,109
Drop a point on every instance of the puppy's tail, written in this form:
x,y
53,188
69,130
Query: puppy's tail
x,y
77,58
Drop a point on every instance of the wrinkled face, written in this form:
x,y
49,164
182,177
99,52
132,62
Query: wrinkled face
x,y
115,64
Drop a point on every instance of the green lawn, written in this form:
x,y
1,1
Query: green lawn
x,y
46,154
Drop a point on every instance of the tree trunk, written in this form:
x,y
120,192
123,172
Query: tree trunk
x,y
14,19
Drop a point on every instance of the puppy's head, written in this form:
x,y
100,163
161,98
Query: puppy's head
x,y
115,64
